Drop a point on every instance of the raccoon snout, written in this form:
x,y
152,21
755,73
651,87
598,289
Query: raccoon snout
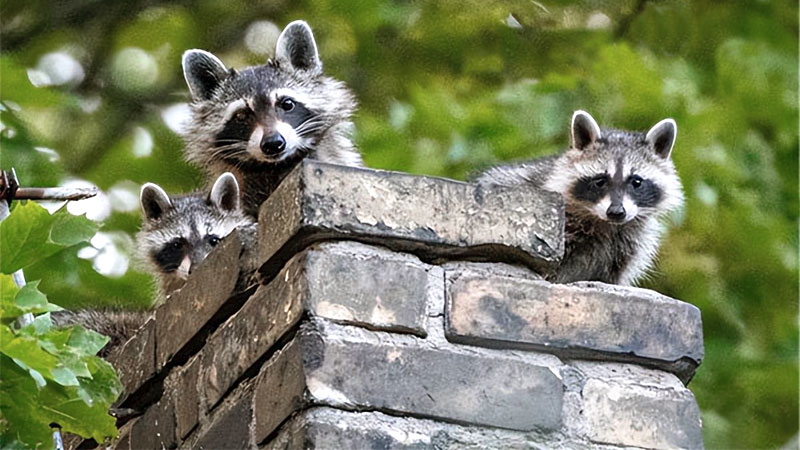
x,y
273,144
616,213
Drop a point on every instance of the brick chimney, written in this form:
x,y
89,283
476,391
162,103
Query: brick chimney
x,y
398,311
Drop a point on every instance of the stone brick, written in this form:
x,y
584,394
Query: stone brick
x,y
135,361
271,311
182,385
368,286
431,217
186,310
580,320
374,288
279,389
230,426
350,367
630,414
325,428
156,428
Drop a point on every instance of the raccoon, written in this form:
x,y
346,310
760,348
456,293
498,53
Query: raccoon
x,y
617,187
260,121
179,232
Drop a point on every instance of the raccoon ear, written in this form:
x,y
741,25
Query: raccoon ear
x,y
296,44
154,201
584,130
662,137
203,73
225,193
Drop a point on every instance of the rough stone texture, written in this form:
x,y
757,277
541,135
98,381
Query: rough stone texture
x,y
230,426
633,415
135,360
368,286
182,384
628,405
432,217
328,428
156,428
374,288
186,310
349,368
279,389
247,335
585,320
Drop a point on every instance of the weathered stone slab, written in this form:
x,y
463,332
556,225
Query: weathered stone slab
x,y
353,368
344,281
270,312
630,414
580,320
230,425
325,428
432,217
156,428
279,389
135,361
368,286
186,310
182,385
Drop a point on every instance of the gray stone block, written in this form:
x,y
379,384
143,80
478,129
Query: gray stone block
x,y
324,428
580,320
279,389
271,311
229,426
182,385
368,286
135,360
353,368
186,310
156,428
432,217
630,414
346,282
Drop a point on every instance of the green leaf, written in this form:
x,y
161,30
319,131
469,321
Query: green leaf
x,y
14,302
29,410
68,230
27,350
86,342
40,325
31,234
64,377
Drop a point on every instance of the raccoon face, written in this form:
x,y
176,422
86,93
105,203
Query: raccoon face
x,y
619,176
178,233
264,114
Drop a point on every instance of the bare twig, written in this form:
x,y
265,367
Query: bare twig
x,y
56,193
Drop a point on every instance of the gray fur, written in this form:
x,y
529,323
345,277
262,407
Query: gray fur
x,y
118,325
597,249
193,219
296,68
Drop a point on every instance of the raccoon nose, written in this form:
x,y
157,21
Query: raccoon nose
x,y
273,144
615,213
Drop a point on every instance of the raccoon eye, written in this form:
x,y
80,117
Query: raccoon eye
x,y
599,182
287,104
636,181
177,244
213,240
241,115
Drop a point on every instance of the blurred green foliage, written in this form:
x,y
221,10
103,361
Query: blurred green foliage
x,y
449,87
